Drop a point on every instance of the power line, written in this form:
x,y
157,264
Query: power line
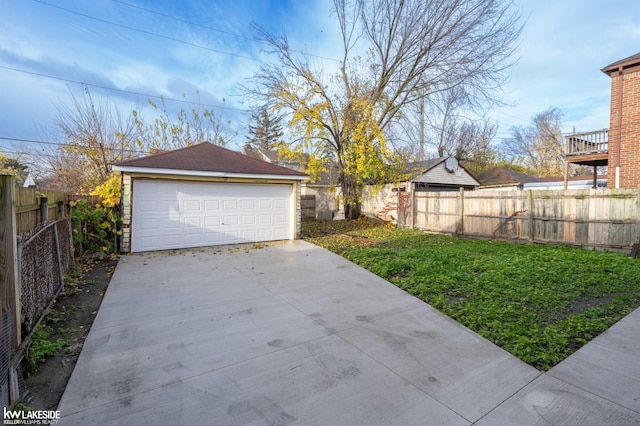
x,y
151,33
195,24
129,92
165,15
71,145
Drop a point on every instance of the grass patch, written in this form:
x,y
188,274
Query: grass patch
x,y
42,347
539,302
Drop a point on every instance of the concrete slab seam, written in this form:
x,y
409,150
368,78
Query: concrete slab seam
x,y
407,381
590,392
540,374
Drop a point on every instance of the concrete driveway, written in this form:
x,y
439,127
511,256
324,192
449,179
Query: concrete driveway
x,y
288,333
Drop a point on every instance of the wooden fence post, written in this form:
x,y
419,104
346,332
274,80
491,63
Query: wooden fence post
x,y
461,224
8,257
412,187
44,210
531,227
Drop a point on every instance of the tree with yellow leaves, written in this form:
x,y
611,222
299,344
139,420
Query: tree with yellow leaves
x,y
393,54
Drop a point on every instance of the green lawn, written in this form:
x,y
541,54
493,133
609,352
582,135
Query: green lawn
x,y
539,302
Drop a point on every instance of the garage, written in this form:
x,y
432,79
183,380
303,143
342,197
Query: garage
x,y
206,195
175,214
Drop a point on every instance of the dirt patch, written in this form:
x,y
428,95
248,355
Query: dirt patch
x,y
583,304
72,315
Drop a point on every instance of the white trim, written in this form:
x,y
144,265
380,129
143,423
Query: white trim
x,y
181,172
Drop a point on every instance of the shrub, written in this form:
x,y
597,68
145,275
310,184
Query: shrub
x,y
95,227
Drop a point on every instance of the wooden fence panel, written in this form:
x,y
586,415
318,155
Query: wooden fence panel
x,y
308,206
436,211
29,214
495,213
594,218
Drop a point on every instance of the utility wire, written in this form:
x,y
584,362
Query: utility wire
x,y
71,145
240,36
129,92
199,46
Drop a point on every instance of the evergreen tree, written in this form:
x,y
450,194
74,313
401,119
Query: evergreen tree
x,y
265,129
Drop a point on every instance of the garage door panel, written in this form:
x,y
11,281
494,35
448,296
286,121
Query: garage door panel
x,y
149,226
264,204
192,206
148,206
229,205
212,221
230,220
249,219
195,239
248,234
212,205
193,222
279,204
265,234
230,237
170,214
247,204
168,224
265,219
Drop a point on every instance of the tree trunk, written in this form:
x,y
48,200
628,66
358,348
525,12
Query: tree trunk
x,y
350,197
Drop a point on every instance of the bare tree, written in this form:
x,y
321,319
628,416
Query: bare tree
x,y
91,134
539,147
415,48
172,130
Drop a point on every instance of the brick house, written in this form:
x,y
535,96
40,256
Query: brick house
x,y
619,146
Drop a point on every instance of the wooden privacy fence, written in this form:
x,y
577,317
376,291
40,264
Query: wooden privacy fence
x,y
308,206
592,218
37,206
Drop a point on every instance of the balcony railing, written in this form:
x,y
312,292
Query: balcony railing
x,y
587,143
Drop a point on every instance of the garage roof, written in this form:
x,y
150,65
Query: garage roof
x,y
207,159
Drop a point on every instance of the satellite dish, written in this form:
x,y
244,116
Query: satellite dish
x,y
451,164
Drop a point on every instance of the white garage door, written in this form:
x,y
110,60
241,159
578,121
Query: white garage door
x,y
174,214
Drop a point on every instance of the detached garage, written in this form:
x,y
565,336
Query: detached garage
x,y
206,195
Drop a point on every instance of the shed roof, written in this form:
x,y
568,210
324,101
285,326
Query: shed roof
x,y
504,176
207,157
624,63
434,173
417,168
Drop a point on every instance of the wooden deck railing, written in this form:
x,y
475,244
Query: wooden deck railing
x,y
587,143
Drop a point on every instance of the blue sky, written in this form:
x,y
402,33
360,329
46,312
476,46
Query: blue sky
x,y
108,43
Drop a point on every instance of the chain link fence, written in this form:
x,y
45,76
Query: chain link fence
x,y
44,256
5,356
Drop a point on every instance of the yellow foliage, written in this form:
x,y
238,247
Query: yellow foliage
x,y
109,192
346,131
